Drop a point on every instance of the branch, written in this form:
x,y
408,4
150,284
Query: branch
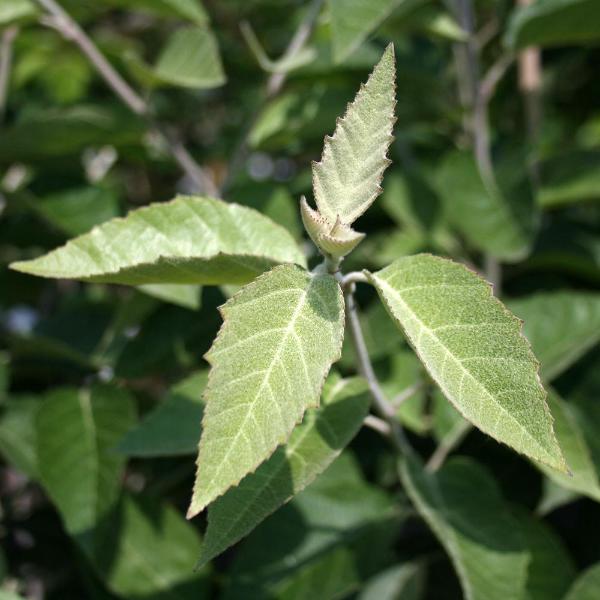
x,y
365,368
448,443
6,47
62,22
273,87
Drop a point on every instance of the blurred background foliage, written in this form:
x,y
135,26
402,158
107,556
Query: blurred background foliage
x,y
496,163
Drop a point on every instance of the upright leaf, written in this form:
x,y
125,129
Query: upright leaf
x,y
188,240
554,23
191,59
77,431
561,327
279,338
473,348
346,181
172,428
587,585
312,447
463,506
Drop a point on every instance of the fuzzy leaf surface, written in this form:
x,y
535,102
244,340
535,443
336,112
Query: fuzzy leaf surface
x,y
190,240
473,348
346,181
278,340
312,447
463,506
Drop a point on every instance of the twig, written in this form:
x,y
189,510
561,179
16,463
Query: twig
x,y
353,277
493,273
273,87
378,425
405,394
386,411
61,21
493,76
6,47
448,443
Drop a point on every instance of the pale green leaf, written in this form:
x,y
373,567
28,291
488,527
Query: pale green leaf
x,y
187,296
311,448
77,431
587,585
463,506
554,496
13,10
346,181
187,241
353,20
192,10
554,23
147,550
280,336
323,544
191,59
5,595
561,327
173,427
473,348
584,476
498,221
551,569
401,582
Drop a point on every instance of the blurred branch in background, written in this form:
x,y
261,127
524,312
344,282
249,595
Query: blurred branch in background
x,y
62,22
274,83
6,45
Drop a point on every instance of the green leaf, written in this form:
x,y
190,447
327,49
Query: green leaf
x,y
561,327
14,10
551,569
77,431
187,241
191,59
353,20
587,585
17,433
463,506
173,427
554,23
569,178
346,181
501,222
323,544
192,10
312,447
401,582
473,348
279,338
187,296
583,476
146,550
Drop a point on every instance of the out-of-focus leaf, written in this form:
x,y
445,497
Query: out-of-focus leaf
x,y
569,178
587,585
14,10
18,435
312,447
401,582
4,595
473,348
146,550
191,10
77,431
191,59
173,427
445,418
561,326
187,296
279,337
498,221
554,496
353,20
464,508
4,375
76,211
323,544
554,23
190,240
347,179
551,569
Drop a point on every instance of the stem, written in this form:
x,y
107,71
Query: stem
x,y
448,443
273,87
6,47
493,273
60,20
386,410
